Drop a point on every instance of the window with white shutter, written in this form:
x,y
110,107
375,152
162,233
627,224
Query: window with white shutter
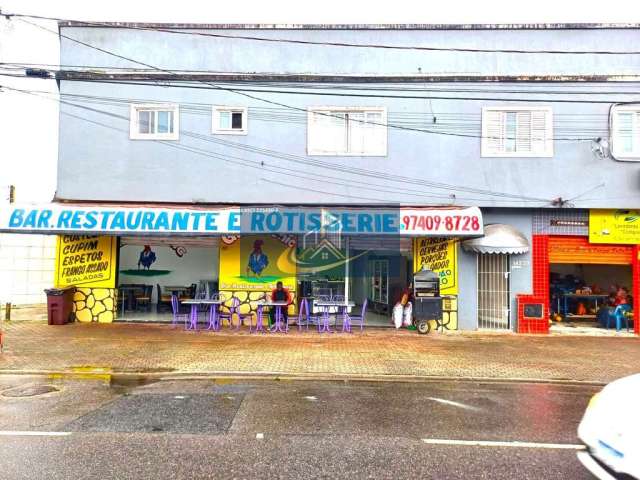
x,y
154,121
517,132
347,131
625,132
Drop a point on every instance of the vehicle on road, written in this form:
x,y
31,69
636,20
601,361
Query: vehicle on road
x,y
610,430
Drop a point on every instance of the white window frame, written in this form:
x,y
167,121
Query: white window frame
x,y
215,120
134,127
614,139
486,149
340,109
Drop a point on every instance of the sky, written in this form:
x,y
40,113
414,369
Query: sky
x,y
29,124
335,11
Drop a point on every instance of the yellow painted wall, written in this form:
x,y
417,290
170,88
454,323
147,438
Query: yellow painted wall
x,y
95,304
237,279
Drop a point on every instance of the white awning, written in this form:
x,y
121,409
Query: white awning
x,y
498,238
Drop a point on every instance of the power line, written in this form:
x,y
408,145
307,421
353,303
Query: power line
x,y
253,97
392,87
239,90
267,114
162,83
447,122
298,159
333,44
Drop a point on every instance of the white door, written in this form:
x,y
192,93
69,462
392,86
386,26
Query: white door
x,y
493,291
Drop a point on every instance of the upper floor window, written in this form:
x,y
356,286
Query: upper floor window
x,y
154,122
517,132
347,131
229,120
625,132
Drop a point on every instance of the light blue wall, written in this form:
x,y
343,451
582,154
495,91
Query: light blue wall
x,y
520,278
194,52
99,163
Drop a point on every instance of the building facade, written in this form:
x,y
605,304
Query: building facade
x,y
534,127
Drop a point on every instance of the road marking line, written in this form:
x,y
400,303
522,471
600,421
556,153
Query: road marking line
x,y
454,404
31,433
487,443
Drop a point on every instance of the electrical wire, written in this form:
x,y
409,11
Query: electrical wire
x,y
384,86
329,44
448,122
236,91
300,90
295,158
263,99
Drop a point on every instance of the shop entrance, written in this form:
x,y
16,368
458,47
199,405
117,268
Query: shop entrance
x,y
590,285
493,291
152,269
580,293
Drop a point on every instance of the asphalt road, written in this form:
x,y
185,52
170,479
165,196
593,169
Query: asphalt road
x,y
190,429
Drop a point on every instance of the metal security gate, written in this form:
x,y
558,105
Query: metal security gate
x,y
493,291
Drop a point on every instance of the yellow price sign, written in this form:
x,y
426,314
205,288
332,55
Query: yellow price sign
x,y
439,255
86,261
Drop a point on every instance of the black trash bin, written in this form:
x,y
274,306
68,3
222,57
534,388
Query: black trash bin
x,y
59,305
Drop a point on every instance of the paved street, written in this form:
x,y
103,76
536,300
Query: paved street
x,y
379,353
99,429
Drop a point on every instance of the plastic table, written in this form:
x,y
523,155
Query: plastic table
x,y
326,306
213,312
278,325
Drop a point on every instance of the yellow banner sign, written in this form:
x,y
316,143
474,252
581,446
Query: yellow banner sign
x,y
86,260
440,255
614,226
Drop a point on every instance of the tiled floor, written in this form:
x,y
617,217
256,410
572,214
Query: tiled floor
x,y
81,348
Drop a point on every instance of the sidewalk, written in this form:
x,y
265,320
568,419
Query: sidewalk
x,y
384,353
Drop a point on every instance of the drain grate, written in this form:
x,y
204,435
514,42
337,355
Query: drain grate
x,y
29,391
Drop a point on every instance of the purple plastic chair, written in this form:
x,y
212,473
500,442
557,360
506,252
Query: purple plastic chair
x,y
177,316
358,318
234,309
305,317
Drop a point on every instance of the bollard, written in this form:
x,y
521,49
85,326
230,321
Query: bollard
x,y
7,311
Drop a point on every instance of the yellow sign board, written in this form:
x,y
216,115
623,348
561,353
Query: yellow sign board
x,y
614,226
257,263
86,261
440,255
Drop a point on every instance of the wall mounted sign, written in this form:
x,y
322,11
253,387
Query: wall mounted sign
x,y
568,249
440,256
64,218
86,260
614,226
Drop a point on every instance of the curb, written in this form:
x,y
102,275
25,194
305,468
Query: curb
x,y
113,376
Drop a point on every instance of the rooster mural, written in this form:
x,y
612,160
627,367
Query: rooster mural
x,y
147,257
258,260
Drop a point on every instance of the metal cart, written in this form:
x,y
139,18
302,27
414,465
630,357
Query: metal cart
x,y
427,300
